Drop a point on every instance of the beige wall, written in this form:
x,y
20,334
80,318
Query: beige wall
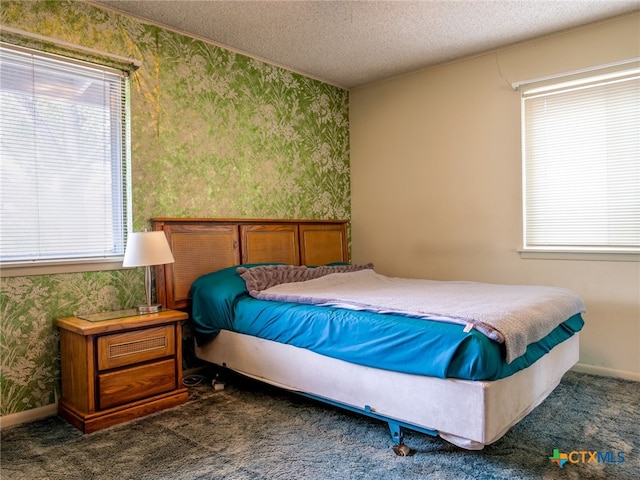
x,y
436,183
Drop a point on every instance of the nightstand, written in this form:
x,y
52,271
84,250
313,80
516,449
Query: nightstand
x,y
120,369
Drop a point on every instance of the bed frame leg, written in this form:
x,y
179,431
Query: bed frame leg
x,y
397,433
396,427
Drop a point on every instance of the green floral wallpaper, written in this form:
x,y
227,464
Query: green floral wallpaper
x,y
214,134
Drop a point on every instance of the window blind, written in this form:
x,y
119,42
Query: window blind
x,y
64,150
581,152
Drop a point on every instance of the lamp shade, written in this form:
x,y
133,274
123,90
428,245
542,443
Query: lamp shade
x,y
147,248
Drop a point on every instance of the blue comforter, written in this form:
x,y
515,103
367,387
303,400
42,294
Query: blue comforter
x,y
220,301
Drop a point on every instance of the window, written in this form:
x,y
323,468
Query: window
x,y
64,145
581,152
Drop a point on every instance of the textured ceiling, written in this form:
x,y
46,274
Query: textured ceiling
x,y
352,43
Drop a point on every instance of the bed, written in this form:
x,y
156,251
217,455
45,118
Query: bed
x,y
471,399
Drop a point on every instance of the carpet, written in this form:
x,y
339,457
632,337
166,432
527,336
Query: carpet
x,y
253,431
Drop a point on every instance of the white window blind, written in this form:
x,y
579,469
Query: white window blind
x,y
581,151
64,158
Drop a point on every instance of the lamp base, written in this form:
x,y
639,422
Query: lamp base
x,y
144,309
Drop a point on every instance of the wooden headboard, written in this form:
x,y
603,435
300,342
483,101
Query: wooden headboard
x,y
203,245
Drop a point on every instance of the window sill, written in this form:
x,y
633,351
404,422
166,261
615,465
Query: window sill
x,y
603,256
51,268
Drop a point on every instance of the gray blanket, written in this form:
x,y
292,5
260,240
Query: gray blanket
x,y
514,314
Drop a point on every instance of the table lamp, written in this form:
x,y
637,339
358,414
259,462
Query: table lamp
x,y
145,249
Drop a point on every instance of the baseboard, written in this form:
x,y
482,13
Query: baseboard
x,y
27,416
201,370
606,372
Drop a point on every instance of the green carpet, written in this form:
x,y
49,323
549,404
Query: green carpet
x,y
251,431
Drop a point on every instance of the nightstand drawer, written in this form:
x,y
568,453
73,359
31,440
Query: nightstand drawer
x,y
127,348
122,386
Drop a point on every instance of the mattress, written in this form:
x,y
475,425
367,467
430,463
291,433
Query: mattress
x,y
415,346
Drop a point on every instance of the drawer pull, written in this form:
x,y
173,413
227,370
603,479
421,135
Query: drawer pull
x,y
130,348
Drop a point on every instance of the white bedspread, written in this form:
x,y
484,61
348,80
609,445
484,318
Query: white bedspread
x,y
514,314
